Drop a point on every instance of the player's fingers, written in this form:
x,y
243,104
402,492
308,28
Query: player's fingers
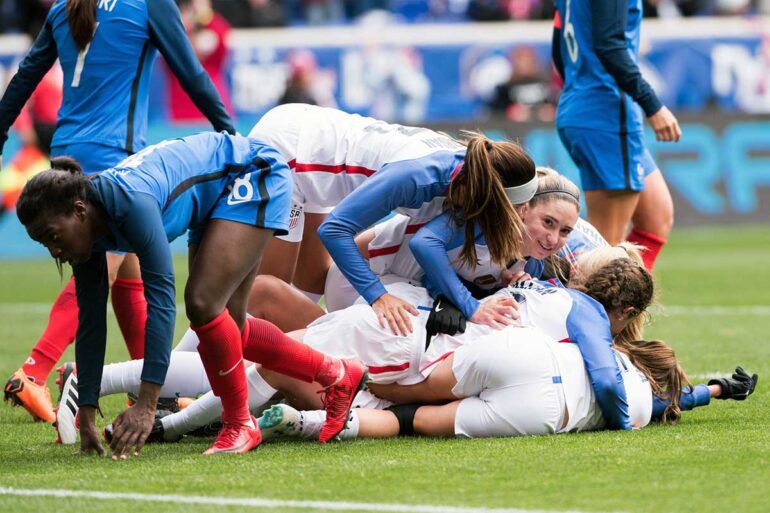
x,y
503,319
392,323
404,325
411,309
677,131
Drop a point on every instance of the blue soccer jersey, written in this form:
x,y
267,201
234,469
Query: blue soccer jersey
x,y
596,47
106,85
150,199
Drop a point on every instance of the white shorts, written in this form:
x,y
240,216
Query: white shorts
x,y
356,333
512,387
340,294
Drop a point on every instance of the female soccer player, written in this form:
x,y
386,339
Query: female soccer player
x,y
520,383
615,299
548,219
595,48
232,193
358,170
106,50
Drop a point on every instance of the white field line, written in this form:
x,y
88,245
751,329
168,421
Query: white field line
x,y
756,310
257,502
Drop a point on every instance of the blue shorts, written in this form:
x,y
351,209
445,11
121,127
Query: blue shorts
x,y
608,160
91,157
258,194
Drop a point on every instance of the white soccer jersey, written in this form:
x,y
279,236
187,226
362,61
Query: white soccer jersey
x,y
331,153
389,253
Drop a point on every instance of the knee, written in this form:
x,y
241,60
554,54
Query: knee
x,y
265,291
199,307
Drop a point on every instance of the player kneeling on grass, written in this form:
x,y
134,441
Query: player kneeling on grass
x,y
232,193
518,382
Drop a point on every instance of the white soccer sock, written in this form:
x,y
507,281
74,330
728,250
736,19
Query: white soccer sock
x,y
312,421
208,408
185,377
260,392
189,342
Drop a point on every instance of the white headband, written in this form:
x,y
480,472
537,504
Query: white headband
x,y
522,193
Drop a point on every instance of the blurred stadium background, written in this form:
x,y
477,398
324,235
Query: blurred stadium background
x,y
452,64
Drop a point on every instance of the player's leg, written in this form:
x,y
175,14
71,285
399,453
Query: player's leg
x,y
610,212
276,301
436,389
128,302
222,268
314,260
342,379
653,217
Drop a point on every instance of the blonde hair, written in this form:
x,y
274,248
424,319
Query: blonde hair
x,y
658,363
584,275
478,196
553,186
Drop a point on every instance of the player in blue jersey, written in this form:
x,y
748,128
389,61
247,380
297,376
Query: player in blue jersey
x,y
599,119
106,51
232,193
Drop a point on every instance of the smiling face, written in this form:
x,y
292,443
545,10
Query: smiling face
x,y
548,224
66,236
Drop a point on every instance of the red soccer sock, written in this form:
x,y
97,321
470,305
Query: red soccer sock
x,y
131,312
59,333
264,343
220,350
652,244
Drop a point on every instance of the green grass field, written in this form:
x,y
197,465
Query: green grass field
x,y
716,460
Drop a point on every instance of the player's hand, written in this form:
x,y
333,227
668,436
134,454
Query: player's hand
x,y
89,435
132,427
395,312
665,125
445,317
508,277
498,312
739,387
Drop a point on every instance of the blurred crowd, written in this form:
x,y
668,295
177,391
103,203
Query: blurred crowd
x,y
27,16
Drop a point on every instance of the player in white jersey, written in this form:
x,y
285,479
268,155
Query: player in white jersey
x,y
350,172
549,219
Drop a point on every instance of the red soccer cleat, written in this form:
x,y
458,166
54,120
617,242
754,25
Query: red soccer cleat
x,y
339,397
235,439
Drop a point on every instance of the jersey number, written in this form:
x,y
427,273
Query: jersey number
x,y
569,36
82,60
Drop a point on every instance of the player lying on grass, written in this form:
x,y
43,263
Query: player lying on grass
x,y
613,301
232,193
519,382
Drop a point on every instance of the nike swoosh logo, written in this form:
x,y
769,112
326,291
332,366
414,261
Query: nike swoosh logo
x,y
231,369
438,306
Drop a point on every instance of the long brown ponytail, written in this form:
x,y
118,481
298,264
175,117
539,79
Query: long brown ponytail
x,y
81,18
658,362
479,197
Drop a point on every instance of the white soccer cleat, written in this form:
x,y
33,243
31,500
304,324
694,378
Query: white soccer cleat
x,y
67,411
280,420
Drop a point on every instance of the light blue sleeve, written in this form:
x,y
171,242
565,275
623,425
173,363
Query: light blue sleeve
x,y
430,246
689,399
589,328
409,184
